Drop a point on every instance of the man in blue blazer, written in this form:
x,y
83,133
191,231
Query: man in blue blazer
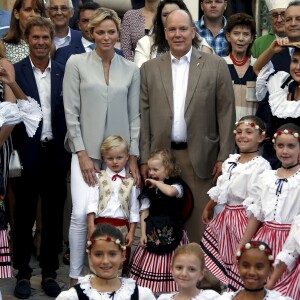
x,y
4,22
60,13
86,43
45,161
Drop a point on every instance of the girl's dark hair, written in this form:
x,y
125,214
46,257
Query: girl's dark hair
x,y
105,229
258,121
14,33
160,42
241,19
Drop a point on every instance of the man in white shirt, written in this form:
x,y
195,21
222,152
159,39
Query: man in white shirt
x,y
187,106
44,159
60,12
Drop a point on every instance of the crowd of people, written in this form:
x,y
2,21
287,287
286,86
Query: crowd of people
x,y
189,131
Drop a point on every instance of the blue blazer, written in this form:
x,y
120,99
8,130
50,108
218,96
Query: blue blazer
x,y
4,22
75,36
30,147
63,54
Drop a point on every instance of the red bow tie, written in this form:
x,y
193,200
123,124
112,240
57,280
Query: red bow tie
x,y
114,177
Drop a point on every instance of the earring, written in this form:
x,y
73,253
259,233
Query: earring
x,y
17,17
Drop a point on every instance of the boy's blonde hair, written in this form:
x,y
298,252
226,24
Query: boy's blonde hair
x,y
112,142
168,161
192,248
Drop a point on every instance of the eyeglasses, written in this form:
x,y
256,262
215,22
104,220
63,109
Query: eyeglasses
x,y
63,9
276,15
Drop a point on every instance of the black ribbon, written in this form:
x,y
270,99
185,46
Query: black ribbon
x,y
280,183
231,167
112,295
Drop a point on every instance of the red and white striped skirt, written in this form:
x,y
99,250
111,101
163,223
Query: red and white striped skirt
x,y
6,270
153,271
219,244
274,235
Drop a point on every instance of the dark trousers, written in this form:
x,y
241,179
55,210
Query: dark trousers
x,y
48,181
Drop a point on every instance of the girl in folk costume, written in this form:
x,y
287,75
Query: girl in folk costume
x,y
188,271
255,265
286,259
276,202
114,199
161,224
225,230
106,251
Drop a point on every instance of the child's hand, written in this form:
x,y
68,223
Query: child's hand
x,y
269,285
151,183
207,215
91,229
129,239
143,241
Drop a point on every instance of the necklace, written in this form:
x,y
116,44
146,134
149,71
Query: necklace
x,y
254,290
238,63
248,152
290,167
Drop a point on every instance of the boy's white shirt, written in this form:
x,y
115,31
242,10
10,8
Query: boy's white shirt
x,y
113,208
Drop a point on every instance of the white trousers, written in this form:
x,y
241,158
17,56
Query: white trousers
x,y
80,192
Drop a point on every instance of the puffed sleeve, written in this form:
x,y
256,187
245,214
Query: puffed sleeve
x,y
126,43
291,248
280,106
143,50
262,81
145,294
71,294
134,113
72,103
259,167
218,193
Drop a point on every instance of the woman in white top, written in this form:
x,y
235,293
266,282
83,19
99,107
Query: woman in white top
x,y
101,98
151,46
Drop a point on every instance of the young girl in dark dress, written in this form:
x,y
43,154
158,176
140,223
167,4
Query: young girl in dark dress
x,y
161,224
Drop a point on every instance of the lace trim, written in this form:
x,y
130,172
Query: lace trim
x,y
124,292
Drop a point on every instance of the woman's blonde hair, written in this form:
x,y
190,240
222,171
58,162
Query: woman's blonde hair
x,y
192,248
102,14
113,142
168,161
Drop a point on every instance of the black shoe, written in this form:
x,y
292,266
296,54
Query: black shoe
x,y
23,289
51,287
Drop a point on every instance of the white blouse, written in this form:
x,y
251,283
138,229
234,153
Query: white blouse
x,y
123,293
271,295
203,295
280,106
291,248
237,180
276,200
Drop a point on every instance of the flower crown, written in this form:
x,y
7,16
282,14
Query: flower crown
x,y
255,244
252,124
108,238
286,131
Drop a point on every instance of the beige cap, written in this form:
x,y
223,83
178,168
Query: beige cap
x,y
274,4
